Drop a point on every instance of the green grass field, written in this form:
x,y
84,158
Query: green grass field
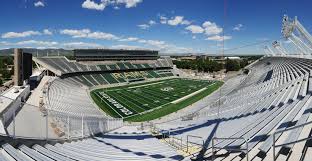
x,y
152,100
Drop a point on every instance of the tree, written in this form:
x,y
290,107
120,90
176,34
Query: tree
x,y
232,65
201,65
243,63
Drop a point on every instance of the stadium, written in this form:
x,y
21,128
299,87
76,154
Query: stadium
x,y
110,104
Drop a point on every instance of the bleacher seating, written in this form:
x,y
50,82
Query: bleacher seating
x,y
90,80
66,96
66,66
98,148
258,107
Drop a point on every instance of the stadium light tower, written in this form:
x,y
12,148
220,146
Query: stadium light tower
x,y
269,51
294,31
278,46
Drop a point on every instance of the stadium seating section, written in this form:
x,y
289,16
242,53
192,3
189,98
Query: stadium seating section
x,y
65,66
102,149
274,96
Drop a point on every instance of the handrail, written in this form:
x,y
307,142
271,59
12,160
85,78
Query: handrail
x,y
289,143
171,136
193,136
229,138
294,127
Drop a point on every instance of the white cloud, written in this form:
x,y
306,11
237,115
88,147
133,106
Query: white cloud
x,y
75,33
162,46
37,43
142,41
211,28
9,35
152,22
218,38
195,29
82,45
177,49
89,4
31,43
127,47
129,3
87,33
47,32
238,27
148,25
39,4
185,22
144,26
156,43
100,6
53,44
163,19
129,39
44,47
4,43
102,35
20,34
175,21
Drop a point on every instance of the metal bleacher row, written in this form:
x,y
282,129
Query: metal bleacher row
x,y
66,66
275,96
98,148
66,96
109,78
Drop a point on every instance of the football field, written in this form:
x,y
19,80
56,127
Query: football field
x,y
147,101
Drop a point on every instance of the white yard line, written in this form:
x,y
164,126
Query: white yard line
x,y
187,96
145,85
190,95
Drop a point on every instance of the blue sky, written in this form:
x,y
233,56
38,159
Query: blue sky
x,y
174,26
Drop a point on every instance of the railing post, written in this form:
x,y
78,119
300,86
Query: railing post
x,y
68,127
212,149
181,143
47,125
203,144
169,137
273,146
247,150
14,124
102,125
187,143
82,128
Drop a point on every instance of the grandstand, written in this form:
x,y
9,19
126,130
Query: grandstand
x,y
275,98
262,115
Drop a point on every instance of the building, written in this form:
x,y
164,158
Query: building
x,y
22,67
